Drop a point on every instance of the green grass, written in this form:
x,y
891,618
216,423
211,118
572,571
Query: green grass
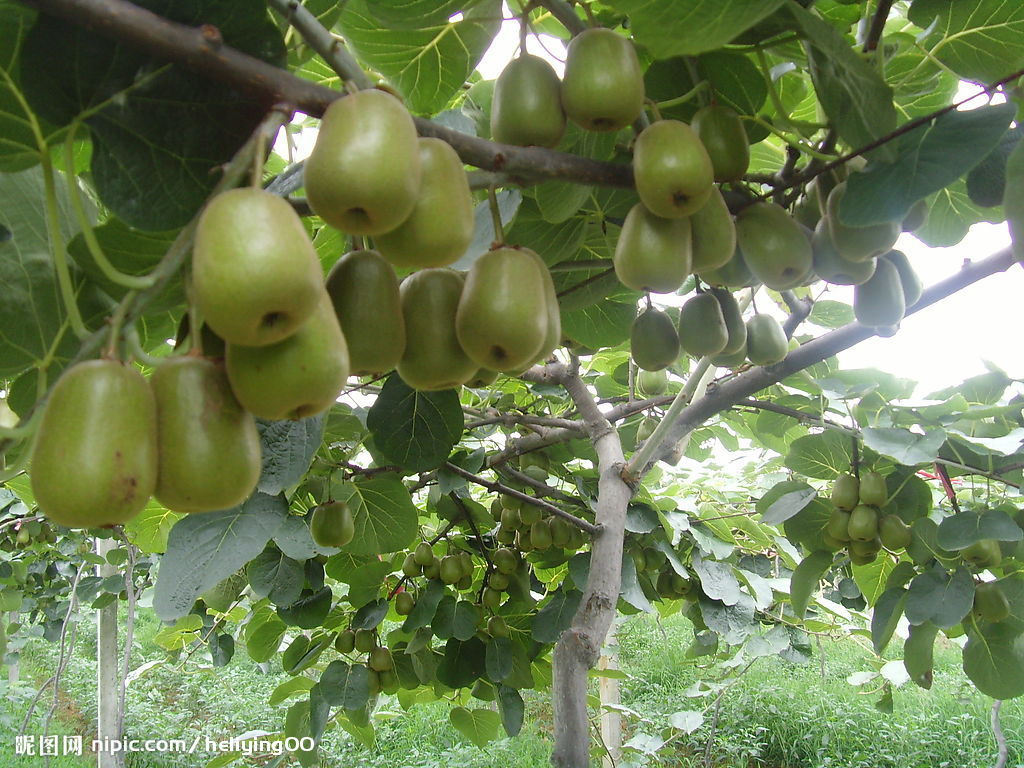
x,y
778,714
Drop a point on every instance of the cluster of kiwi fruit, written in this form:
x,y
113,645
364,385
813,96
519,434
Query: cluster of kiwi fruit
x,y
667,583
530,528
856,522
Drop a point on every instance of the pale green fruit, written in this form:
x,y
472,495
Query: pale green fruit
x,y
863,524
364,291
363,176
208,446
502,318
653,254
983,554
654,343
255,274
916,217
433,358
766,341
838,525
672,170
713,234
990,602
872,489
857,243
722,133
733,274
440,227
94,462
909,281
652,383
734,325
733,361
295,378
332,524
702,329
879,302
846,492
553,337
527,105
603,84
774,246
894,533
833,268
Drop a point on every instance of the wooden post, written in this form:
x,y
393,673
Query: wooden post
x,y
107,673
611,719
13,671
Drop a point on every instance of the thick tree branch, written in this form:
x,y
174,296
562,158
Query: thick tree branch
x,y
743,386
566,16
202,50
579,647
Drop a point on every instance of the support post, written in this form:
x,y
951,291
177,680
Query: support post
x,y
107,671
611,719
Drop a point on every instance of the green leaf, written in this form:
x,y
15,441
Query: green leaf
x,y
924,546
463,662
509,201
717,580
554,243
873,578
296,541
415,430
427,64
929,158
886,616
276,576
370,615
666,29
32,314
498,659
288,448
732,623
784,500
906,447
852,93
994,660
309,610
940,597
805,580
831,314
458,619
205,549
823,456
385,520
950,216
426,606
18,149
150,528
806,527
364,582
415,14
511,708
295,686
1013,199
604,324
964,528
263,637
917,653
630,590
345,686
686,721
981,41
480,726
550,621
733,78
157,142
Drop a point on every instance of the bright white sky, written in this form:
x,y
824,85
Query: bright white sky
x,y
939,346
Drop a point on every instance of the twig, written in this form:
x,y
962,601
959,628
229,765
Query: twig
x,y
877,25
502,488
799,310
323,42
541,487
997,730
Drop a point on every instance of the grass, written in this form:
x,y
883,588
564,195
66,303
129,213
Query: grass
x,y
777,715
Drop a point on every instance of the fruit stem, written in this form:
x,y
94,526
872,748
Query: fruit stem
x,y
109,271
195,327
689,95
60,260
135,347
9,473
653,106
499,230
116,322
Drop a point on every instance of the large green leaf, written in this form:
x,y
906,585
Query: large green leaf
x,y
345,686
383,512
415,430
156,140
414,14
824,455
556,616
604,324
929,158
18,147
274,575
204,549
951,213
32,315
463,662
686,29
904,446
805,578
994,660
149,529
940,597
918,653
480,726
511,708
783,500
886,616
964,528
852,93
717,580
982,40
1013,199
287,448
427,64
